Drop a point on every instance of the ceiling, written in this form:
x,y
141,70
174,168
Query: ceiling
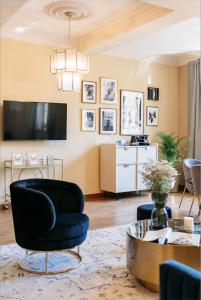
x,y
167,31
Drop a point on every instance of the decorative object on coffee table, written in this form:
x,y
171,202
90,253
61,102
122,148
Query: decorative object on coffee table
x,y
159,178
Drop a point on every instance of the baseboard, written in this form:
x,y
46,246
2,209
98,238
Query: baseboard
x,y
2,206
93,197
90,197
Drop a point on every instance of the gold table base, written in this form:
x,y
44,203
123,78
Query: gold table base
x,y
22,265
144,258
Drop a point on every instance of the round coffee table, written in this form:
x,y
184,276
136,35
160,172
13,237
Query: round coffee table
x,y
144,258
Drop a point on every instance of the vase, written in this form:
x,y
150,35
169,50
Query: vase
x,y
159,215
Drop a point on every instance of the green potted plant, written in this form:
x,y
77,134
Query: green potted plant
x,y
171,150
159,178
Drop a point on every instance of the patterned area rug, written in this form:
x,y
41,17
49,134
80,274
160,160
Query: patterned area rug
x,y
102,275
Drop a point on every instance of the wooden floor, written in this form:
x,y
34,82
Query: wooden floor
x,y
106,212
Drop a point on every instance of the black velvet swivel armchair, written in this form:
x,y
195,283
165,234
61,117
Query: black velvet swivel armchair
x,y
48,214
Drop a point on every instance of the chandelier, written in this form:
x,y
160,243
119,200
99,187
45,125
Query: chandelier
x,y
69,65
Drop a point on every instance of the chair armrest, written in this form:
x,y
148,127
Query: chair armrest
x,y
189,180
178,281
71,197
33,211
66,196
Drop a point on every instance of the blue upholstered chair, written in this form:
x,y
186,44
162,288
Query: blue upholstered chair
x,y
48,215
144,211
179,282
187,164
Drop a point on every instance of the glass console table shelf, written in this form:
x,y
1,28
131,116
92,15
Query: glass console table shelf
x,y
44,168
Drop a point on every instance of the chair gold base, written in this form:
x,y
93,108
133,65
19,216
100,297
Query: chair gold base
x,y
26,268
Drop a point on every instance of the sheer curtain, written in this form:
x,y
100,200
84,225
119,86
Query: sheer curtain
x,y
194,100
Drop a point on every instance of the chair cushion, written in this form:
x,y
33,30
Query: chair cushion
x,y
144,211
67,226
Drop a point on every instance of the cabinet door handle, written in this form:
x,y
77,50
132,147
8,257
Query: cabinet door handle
x,y
126,165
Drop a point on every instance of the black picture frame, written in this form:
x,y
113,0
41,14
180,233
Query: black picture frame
x,y
153,93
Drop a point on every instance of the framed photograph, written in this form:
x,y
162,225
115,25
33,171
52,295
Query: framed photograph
x,y
153,93
152,116
108,90
17,159
32,158
108,121
89,91
131,112
88,119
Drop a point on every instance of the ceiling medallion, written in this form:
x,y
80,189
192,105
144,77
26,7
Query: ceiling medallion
x,y
59,9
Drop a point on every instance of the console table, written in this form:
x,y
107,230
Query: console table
x,y
14,172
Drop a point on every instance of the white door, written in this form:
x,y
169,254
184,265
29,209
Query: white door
x,y
125,178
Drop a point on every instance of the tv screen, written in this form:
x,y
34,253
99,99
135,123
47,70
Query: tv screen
x,y
34,120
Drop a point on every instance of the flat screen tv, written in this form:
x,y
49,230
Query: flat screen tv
x,y
34,120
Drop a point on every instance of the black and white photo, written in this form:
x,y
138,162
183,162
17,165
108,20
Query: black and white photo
x,y
88,119
89,91
32,158
108,121
152,116
108,90
153,93
17,159
131,112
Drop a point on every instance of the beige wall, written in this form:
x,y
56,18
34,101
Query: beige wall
x,y
25,76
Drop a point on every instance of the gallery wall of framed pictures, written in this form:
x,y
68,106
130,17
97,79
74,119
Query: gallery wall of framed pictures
x,y
131,108
107,115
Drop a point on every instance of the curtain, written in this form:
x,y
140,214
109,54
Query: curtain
x,y
194,100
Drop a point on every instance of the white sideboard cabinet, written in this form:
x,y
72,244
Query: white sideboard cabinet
x,y
121,166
